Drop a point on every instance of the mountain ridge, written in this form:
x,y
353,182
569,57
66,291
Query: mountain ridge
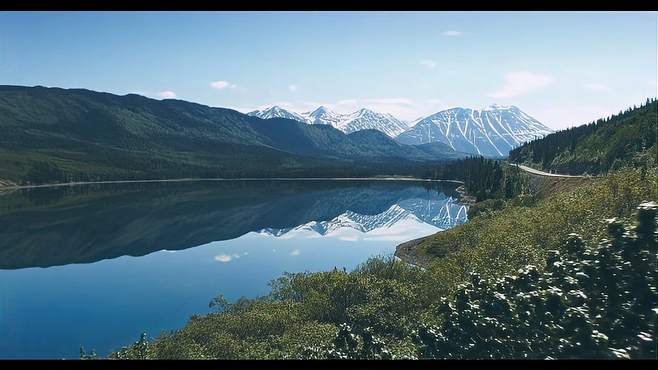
x,y
491,131
63,135
361,119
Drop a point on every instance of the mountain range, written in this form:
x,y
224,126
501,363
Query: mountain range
x,y
60,135
491,132
362,119
54,135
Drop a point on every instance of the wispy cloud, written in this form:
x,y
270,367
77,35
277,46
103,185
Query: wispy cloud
x,y
598,87
292,88
428,63
220,85
167,94
521,83
451,33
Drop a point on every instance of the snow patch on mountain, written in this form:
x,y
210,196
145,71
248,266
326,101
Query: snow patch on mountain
x,y
362,119
278,112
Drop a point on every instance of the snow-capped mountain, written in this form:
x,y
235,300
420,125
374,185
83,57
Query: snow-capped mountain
x,y
323,116
443,213
362,119
276,111
492,131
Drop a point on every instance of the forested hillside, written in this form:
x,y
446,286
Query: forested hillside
x,y
483,178
627,139
59,135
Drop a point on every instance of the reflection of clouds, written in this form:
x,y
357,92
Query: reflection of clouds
x,y
227,257
288,236
296,252
346,234
222,258
274,250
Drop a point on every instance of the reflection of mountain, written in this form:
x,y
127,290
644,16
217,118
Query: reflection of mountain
x,y
58,226
437,210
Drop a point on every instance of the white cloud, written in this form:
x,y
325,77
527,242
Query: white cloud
x,y
521,83
220,85
598,87
429,63
452,33
296,252
397,101
223,258
292,88
167,94
433,101
400,107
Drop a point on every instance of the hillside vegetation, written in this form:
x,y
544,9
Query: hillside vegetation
x,y
627,139
583,300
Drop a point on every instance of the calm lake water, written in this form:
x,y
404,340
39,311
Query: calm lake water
x,y
97,265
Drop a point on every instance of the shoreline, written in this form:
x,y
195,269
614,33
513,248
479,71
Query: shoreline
x,y
78,183
406,251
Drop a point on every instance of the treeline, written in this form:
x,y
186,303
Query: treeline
x,y
483,178
627,139
51,171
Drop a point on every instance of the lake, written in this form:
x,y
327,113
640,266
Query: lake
x,y
96,265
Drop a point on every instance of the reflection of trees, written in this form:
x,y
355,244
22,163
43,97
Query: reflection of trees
x,y
56,226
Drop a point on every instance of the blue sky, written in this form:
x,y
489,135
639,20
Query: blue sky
x,y
563,68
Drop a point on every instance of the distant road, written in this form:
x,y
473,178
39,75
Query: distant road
x,y
541,173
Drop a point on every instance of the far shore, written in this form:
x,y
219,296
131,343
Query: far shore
x,y
14,187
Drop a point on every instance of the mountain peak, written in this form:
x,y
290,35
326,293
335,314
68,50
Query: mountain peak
x,y
321,110
362,119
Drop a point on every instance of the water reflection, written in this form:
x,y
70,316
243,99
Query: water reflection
x,y
125,259
59,226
